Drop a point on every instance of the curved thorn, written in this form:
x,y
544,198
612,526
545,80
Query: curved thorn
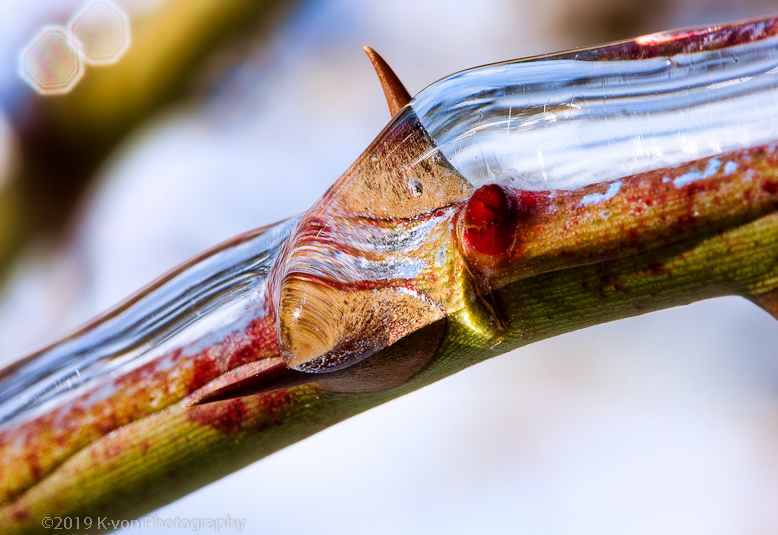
x,y
274,378
394,90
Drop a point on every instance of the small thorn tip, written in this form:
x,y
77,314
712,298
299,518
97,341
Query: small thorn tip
x,y
394,90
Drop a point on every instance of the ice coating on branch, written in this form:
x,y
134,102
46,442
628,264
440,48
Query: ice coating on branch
x,y
569,120
551,125
363,268
222,288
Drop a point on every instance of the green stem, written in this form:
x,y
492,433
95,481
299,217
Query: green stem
x,y
161,457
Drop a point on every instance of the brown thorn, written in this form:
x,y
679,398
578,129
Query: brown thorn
x,y
394,90
395,366
274,378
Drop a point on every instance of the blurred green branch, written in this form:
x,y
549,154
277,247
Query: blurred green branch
x,y
63,139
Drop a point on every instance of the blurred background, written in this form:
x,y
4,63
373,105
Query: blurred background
x,y
135,134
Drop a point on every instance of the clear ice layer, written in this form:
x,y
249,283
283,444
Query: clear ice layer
x,y
573,119
200,299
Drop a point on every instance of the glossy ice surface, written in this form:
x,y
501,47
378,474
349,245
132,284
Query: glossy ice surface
x,y
572,119
563,121
508,384
196,306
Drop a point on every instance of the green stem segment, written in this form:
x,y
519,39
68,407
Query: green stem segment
x,y
165,455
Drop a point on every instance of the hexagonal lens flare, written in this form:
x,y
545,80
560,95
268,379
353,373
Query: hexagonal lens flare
x,y
51,63
102,31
